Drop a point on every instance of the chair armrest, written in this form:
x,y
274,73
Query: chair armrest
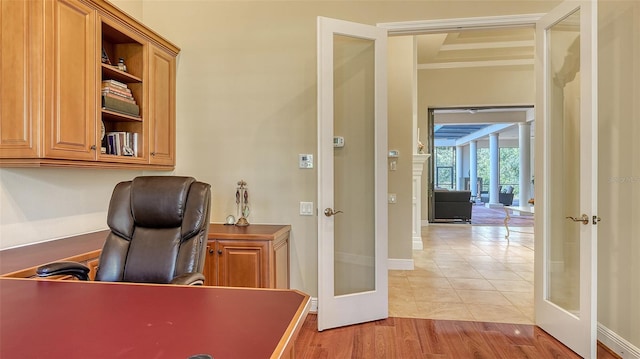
x,y
75,269
189,279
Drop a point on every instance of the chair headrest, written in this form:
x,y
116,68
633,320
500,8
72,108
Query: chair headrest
x,y
159,201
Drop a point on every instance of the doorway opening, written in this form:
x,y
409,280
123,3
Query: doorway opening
x,y
456,275
460,140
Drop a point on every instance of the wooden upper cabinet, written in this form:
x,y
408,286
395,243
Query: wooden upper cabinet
x,y
119,42
20,29
162,107
70,79
53,112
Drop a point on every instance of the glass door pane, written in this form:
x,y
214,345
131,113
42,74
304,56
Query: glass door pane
x,y
563,78
354,165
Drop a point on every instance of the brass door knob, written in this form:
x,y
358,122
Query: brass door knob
x,y
584,219
330,212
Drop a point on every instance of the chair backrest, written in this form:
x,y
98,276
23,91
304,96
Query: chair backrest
x,y
159,227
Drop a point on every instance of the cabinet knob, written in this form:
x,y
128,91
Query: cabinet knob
x,y
93,147
153,153
220,251
210,250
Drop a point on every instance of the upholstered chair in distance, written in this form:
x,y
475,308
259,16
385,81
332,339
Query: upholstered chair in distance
x,y
159,227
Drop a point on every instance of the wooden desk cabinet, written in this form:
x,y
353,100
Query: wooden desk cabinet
x,y
90,259
255,256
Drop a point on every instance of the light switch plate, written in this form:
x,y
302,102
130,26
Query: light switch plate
x,y
306,208
393,165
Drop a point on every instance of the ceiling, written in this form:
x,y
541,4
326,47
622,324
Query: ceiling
x,y
454,132
462,125
477,49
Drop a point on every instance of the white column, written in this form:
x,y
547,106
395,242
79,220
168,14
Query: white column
x,y
416,204
459,174
494,172
524,144
473,169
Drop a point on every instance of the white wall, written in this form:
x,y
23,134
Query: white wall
x,y
401,74
619,169
38,204
246,107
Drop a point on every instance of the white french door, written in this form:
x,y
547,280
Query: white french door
x,y
566,121
352,177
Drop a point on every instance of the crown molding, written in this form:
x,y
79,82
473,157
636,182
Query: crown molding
x,y
448,25
463,64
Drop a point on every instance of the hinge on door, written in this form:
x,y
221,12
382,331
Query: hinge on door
x,y
595,219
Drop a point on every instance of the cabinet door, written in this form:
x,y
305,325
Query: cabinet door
x,y
20,31
70,81
280,268
209,271
162,107
242,264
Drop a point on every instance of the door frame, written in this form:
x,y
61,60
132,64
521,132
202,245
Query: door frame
x,y
490,22
446,25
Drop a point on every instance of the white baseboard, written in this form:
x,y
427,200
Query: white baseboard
x,y
417,244
314,305
399,264
617,344
424,222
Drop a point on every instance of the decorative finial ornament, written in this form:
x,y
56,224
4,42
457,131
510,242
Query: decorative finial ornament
x,y
242,203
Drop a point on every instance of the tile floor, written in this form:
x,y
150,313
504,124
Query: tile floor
x,y
467,272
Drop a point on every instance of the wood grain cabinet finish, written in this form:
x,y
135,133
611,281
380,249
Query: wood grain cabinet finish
x,y
70,79
90,259
21,74
52,73
255,256
162,141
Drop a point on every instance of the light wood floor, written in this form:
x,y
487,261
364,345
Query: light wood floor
x,y
467,283
407,338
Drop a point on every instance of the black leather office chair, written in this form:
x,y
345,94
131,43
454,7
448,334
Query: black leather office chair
x,y
159,227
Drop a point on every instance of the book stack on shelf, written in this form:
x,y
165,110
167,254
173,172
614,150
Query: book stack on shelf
x,y
116,96
121,143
